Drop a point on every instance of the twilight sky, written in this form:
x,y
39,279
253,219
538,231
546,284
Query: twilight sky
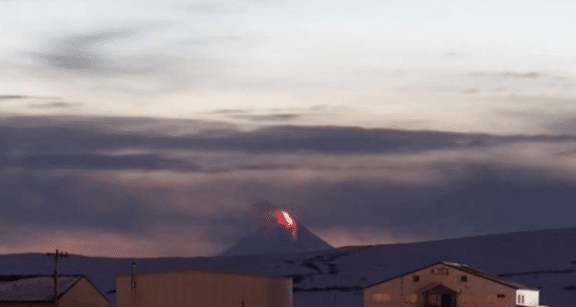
x,y
152,128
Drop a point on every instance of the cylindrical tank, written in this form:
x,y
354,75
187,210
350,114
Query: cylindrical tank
x,y
202,288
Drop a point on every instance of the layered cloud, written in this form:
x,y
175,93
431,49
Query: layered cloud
x,y
84,54
138,182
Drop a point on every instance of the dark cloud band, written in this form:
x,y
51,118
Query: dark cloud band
x,y
54,171
88,135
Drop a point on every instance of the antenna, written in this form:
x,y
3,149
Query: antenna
x,y
57,256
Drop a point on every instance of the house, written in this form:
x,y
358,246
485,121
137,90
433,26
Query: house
x,y
202,288
446,284
38,290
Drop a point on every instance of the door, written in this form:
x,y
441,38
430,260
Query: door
x,y
446,300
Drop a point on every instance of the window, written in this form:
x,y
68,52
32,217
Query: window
x,y
501,295
433,298
520,299
464,278
381,297
416,278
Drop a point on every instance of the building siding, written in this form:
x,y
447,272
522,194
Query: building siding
x,y
405,292
83,294
26,304
203,288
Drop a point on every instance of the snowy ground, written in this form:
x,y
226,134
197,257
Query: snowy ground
x,y
545,259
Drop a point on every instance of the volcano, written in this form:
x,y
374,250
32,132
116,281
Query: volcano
x,y
283,237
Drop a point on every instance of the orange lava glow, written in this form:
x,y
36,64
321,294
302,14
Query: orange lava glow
x,y
284,218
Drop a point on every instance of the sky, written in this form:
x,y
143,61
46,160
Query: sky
x,y
153,128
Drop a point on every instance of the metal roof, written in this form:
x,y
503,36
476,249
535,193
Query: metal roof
x,y
34,288
489,276
472,271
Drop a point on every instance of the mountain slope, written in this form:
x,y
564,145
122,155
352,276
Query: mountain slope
x,y
334,277
277,240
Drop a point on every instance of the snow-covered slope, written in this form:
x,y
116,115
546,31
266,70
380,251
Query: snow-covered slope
x,y
277,240
545,259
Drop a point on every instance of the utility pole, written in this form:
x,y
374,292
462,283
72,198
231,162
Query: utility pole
x,y
57,256
134,297
133,276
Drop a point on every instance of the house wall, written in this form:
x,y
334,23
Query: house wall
x,y
475,292
202,288
26,304
329,298
83,294
531,297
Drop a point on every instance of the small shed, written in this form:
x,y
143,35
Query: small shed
x,y
446,284
38,290
202,288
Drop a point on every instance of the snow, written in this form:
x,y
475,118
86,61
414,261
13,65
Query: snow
x,y
545,259
277,240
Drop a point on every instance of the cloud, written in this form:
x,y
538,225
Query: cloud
x,y
212,40
566,125
509,74
132,60
218,7
88,54
80,53
270,117
98,162
11,97
211,210
161,241
230,111
25,97
529,75
208,7
135,126
77,135
54,105
471,91
67,176
351,236
552,122
278,114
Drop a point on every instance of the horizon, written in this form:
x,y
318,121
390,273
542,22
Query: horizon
x,y
307,252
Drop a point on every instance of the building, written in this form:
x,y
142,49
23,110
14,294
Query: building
x,y
38,290
202,288
446,284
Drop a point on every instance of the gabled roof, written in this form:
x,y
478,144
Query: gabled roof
x,y
489,276
472,271
436,284
36,288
